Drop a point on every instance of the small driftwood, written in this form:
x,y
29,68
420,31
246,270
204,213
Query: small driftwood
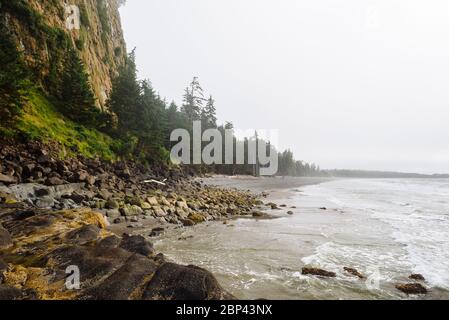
x,y
162,183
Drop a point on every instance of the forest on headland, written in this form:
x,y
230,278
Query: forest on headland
x,y
57,103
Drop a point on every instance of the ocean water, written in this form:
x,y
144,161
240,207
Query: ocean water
x,y
387,229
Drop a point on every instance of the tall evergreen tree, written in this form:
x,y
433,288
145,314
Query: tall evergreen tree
x,y
151,120
125,97
78,102
209,114
193,100
12,76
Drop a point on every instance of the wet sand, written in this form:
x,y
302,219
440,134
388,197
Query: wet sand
x,y
271,185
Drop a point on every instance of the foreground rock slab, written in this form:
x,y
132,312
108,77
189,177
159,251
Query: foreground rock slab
x,y
39,246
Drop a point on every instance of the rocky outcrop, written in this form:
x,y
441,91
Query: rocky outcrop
x,y
46,244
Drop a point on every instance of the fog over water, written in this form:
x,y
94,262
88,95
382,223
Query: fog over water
x,y
350,84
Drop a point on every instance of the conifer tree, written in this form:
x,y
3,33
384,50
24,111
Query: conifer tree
x,y
193,100
209,114
12,76
78,102
125,97
151,120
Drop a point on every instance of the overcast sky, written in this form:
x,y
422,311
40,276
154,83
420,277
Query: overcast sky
x,y
350,84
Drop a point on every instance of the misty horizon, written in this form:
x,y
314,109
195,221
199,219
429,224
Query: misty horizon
x,y
359,85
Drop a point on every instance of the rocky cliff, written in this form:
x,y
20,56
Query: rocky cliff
x,y
45,29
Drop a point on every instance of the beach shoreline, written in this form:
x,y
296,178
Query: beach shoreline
x,y
313,228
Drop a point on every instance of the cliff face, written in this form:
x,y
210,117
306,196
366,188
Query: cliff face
x,y
92,27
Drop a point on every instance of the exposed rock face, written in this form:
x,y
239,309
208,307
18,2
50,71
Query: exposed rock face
x,y
137,244
99,39
7,179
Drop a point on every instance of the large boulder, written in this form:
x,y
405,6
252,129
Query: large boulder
x,y
112,204
158,211
152,201
45,202
175,282
54,181
196,217
131,210
137,244
6,179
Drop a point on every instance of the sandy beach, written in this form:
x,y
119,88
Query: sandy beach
x,y
262,184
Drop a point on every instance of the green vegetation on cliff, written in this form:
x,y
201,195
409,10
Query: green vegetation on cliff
x,y
13,77
40,120
61,108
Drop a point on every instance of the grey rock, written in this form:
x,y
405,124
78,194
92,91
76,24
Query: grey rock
x,y
42,192
131,210
156,232
112,204
6,179
118,220
55,181
112,213
175,282
45,202
137,244
77,198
